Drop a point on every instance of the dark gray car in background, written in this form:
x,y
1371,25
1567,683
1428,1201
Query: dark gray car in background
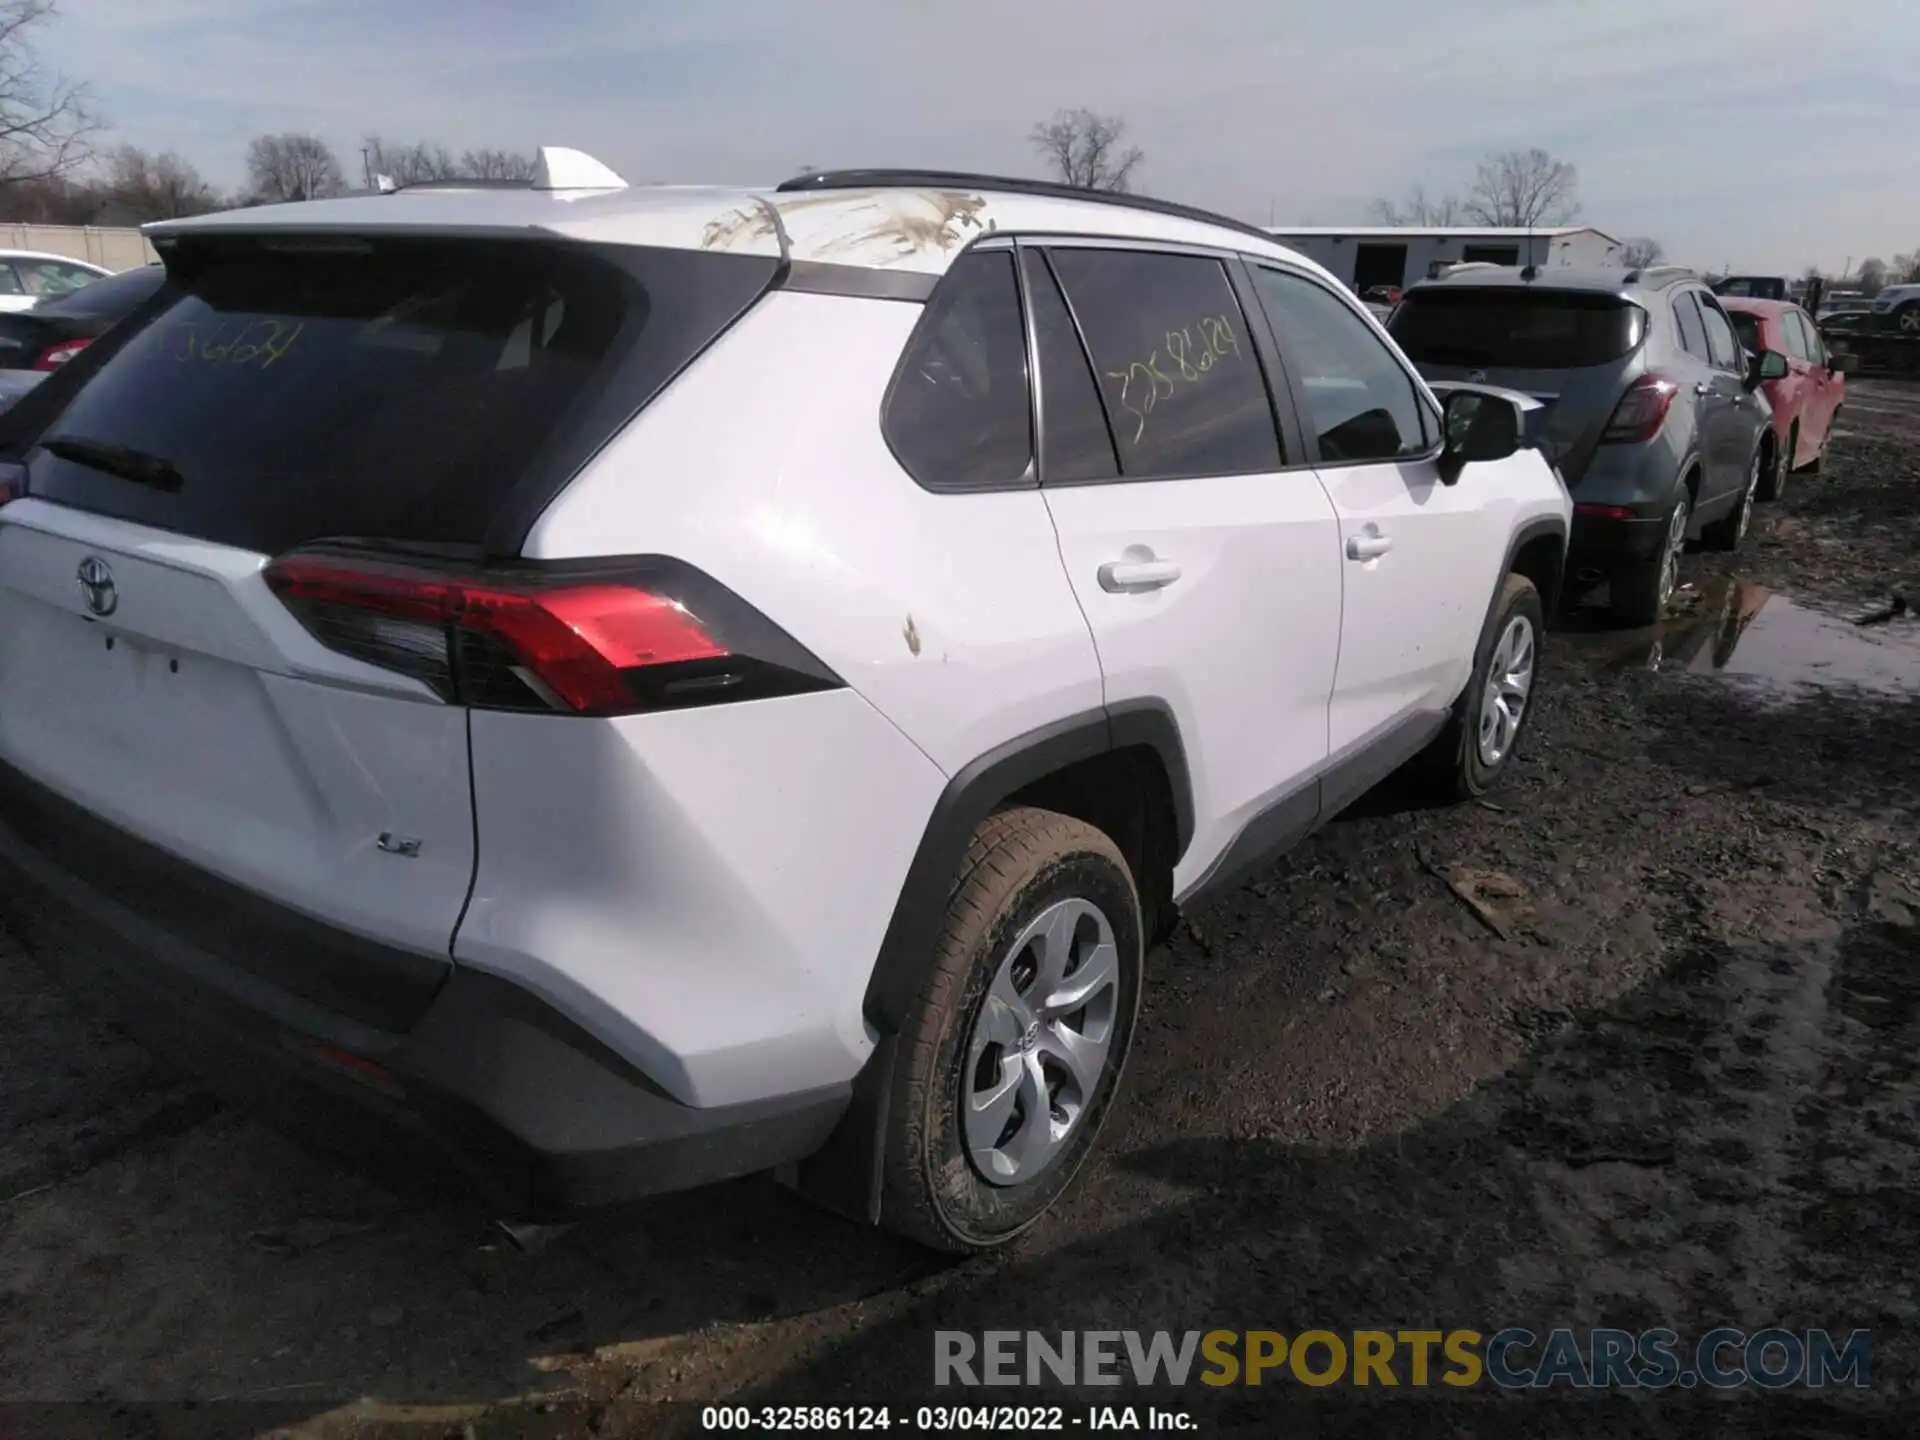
x,y
1654,414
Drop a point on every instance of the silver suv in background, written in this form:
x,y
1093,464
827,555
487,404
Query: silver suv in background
x,y
1897,308
1654,411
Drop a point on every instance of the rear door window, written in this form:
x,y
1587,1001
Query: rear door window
x,y
400,390
1360,403
1075,444
112,296
1799,343
1183,387
1721,342
50,277
1816,347
1516,329
1693,331
959,415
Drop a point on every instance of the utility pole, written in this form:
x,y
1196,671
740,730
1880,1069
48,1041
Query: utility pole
x,y
366,168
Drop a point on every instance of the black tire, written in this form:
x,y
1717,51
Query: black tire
x,y
1638,594
1773,480
1452,768
1726,533
1020,864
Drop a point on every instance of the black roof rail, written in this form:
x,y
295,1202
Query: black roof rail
x,y
1049,189
476,183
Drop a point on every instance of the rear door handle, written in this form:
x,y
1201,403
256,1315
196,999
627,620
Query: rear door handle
x,y
1121,576
1368,547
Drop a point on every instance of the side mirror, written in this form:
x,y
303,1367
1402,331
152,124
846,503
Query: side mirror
x,y
1767,365
1843,364
1476,427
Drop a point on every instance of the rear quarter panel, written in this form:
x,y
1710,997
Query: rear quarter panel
x,y
765,466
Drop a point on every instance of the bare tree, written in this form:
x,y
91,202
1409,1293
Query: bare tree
x,y
497,165
1418,209
292,167
1088,150
1905,269
156,187
411,164
1872,274
1523,188
45,119
1640,251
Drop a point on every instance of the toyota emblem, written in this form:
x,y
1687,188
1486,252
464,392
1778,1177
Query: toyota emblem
x,y
96,585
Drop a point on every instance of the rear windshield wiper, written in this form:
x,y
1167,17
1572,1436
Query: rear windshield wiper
x,y
139,466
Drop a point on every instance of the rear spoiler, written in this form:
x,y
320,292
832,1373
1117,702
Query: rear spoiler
x,y
1533,414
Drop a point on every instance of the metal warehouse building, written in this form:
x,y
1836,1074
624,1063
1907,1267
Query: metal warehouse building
x,y
1400,255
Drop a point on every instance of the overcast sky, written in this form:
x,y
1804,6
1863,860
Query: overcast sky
x,y
1769,134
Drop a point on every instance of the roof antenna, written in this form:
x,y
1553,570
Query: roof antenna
x,y
1531,269
561,169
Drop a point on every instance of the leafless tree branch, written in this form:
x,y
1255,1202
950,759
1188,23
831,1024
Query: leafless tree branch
x,y
46,120
292,167
1523,188
155,187
1418,209
411,164
1088,150
1639,251
497,165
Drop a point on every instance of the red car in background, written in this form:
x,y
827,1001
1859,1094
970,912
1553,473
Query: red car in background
x,y
1806,400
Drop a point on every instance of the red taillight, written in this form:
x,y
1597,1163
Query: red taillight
x,y
660,637
54,356
1641,411
1604,512
13,483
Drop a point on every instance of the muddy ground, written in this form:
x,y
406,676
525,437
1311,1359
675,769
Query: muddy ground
x,y
1666,1078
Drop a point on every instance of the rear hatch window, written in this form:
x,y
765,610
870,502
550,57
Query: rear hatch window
x,y
1512,329
288,390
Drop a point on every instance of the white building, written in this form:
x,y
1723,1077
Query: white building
x,y
1402,254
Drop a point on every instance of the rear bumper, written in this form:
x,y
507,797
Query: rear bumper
x,y
491,1091
1604,543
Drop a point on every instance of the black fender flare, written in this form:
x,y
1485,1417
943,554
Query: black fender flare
x,y
1538,528
846,1173
975,792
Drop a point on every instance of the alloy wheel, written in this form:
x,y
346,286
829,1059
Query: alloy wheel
x,y
1670,559
1040,1045
1509,684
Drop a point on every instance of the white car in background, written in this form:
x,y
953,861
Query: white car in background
x,y
30,276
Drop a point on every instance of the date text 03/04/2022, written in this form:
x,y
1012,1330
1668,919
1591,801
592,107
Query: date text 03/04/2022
x,y
945,1419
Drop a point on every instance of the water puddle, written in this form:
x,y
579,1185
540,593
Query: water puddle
x,y
1749,634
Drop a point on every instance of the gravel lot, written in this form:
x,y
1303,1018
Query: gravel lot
x,y
1668,1077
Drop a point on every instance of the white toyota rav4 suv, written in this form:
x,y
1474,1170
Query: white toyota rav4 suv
x,y
639,686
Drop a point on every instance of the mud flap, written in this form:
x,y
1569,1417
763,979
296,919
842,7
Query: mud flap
x,y
846,1174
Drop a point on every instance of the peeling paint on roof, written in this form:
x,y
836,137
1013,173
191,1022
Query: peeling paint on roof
x,y
875,227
